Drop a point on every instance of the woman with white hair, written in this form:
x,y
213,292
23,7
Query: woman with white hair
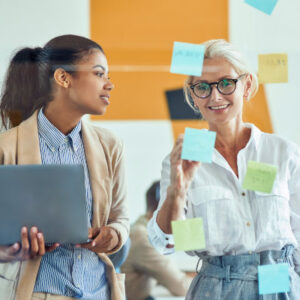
x,y
243,229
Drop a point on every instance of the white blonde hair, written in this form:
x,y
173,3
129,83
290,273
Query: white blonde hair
x,y
222,48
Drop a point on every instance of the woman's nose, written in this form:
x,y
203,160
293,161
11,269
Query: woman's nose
x,y
215,94
109,85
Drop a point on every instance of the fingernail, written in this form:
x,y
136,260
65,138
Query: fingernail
x,y
93,244
39,235
16,246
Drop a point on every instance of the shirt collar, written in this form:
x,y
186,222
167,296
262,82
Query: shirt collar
x,y
253,141
255,135
55,138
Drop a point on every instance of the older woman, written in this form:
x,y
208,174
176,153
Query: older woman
x,y
243,229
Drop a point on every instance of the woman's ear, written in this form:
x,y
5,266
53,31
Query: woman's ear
x,y
62,78
248,85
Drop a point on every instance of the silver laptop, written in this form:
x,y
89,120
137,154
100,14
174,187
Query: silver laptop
x,y
51,197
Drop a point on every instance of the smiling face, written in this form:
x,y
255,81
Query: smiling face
x,y
90,87
217,108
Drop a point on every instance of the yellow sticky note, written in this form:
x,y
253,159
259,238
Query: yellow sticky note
x,y
188,234
273,68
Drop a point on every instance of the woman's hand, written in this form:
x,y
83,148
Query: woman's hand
x,y
104,240
182,171
26,250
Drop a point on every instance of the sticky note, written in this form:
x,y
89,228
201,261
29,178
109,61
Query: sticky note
x,y
198,145
266,6
273,68
187,59
273,279
259,177
188,234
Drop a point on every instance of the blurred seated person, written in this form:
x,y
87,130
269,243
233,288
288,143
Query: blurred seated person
x,y
146,268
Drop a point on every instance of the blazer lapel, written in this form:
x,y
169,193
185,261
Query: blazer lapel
x,y
28,152
28,148
98,172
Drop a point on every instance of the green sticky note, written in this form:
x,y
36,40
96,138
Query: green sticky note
x,y
259,177
188,234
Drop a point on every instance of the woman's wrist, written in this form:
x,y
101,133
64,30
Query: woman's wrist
x,y
176,193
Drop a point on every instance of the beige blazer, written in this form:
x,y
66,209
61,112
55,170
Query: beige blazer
x,y
104,155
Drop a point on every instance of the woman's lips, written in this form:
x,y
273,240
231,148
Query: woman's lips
x,y
218,107
105,99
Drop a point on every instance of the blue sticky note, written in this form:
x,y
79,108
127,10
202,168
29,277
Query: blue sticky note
x,y
187,59
198,145
273,279
266,6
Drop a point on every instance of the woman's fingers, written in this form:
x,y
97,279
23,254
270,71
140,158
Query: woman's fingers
x,y
41,244
32,245
24,253
52,247
13,249
34,249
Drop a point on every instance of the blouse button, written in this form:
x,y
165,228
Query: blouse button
x,y
243,194
248,224
167,238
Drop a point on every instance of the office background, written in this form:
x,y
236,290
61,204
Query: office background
x,y
137,37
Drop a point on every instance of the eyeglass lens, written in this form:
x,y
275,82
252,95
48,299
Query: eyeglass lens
x,y
225,86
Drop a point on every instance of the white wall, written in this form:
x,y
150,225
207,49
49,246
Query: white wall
x,y
256,33
34,22
146,145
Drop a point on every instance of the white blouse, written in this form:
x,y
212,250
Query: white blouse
x,y
235,220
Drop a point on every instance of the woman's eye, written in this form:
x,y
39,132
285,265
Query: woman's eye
x,y
226,82
202,87
100,74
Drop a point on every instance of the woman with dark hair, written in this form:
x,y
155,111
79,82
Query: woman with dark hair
x,y
47,91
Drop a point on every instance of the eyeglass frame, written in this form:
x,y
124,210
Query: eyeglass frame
x,y
235,80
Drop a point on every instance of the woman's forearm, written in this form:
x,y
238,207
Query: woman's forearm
x,y
172,209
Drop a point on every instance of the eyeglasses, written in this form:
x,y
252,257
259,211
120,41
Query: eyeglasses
x,y
225,86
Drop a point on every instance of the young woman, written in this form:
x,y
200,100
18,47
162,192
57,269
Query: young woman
x,y
47,91
243,229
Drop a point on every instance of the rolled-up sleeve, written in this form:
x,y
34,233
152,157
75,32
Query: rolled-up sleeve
x,y
294,187
157,237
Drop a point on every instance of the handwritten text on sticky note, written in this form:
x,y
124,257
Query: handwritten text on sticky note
x,y
187,59
273,68
266,6
259,177
273,279
198,145
188,234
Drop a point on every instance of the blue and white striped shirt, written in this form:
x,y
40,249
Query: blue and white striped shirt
x,y
69,271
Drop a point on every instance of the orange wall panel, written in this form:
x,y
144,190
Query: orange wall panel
x,y
137,37
141,33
